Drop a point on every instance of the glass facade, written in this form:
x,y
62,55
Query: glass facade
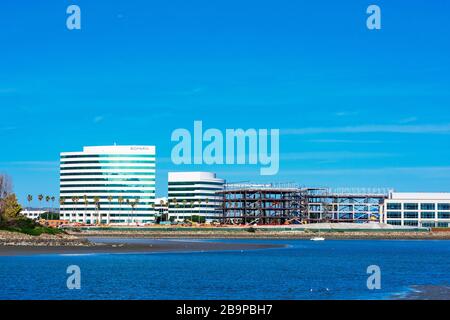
x,y
108,185
194,194
422,212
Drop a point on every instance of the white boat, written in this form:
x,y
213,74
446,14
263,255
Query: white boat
x,y
317,239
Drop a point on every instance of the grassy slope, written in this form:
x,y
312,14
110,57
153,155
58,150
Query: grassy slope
x,y
27,226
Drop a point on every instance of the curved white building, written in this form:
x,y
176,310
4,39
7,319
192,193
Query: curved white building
x,y
194,194
108,185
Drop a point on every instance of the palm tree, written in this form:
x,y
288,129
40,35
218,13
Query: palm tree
x,y
40,198
97,208
47,199
86,202
175,202
29,198
120,200
128,213
133,204
61,203
75,201
110,199
53,202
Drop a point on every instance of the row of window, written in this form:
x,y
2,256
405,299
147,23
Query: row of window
x,y
193,189
98,173
108,161
88,221
108,156
425,224
177,195
107,185
105,215
106,167
172,183
127,208
104,199
108,179
415,206
106,191
415,215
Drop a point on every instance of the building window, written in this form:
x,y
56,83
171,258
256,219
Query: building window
x,y
444,206
411,215
428,206
428,215
394,215
444,215
411,206
395,222
394,206
443,224
411,223
428,224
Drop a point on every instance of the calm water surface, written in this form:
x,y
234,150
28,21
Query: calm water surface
x,y
302,270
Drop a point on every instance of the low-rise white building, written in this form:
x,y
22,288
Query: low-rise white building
x,y
424,209
32,214
194,194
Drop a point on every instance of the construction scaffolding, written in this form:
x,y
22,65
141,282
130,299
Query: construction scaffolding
x,y
288,204
346,205
263,204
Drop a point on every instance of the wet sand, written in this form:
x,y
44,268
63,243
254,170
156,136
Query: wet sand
x,y
426,293
162,246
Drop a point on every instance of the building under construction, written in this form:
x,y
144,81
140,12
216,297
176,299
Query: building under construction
x,y
290,204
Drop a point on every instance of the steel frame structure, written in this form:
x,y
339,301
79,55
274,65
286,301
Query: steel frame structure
x,y
268,204
263,206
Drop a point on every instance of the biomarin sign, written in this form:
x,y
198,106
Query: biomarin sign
x,y
231,149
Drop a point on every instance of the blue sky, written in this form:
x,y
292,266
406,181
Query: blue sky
x,y
355,107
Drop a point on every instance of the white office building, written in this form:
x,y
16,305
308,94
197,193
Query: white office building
x,y
108,185
418,209
194,194
161,207
32,213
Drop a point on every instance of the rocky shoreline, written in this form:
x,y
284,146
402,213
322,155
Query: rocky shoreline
x,y
79,239
8,238
260,234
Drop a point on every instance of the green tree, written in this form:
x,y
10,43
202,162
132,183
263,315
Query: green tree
x,y
110,199
97,209
29,198
11,207
40,197
86,202
53,203
47,199
133,204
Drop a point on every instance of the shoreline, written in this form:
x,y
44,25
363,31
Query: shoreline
x,y
78,242
425,292
124,248
269,235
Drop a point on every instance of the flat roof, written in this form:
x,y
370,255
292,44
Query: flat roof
x,y
419,196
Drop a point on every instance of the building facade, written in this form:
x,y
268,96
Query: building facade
x,y
108,185
418,209
284,204
194,194
358,205
32,213
161,208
